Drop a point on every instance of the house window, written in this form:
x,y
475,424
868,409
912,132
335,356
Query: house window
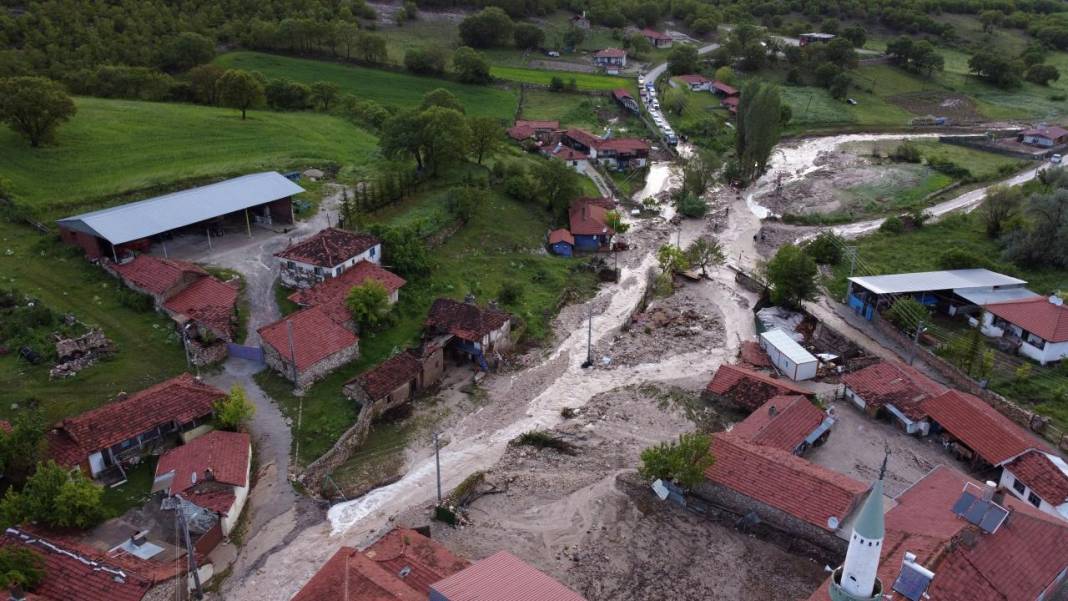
x,y
1018,486
1034,500
373,248
290,265
318,271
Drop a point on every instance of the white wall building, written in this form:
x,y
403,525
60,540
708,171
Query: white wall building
x,y
788,356
1040,479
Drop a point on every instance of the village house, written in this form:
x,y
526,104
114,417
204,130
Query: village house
x,y
731,104
400,566
747,389
561,243
389,384
800,498
1045,137
626,100
975,431
331,294
576,159
814,38
951,538
259,198
1039,478
611,59
307,345
657,38
501,577
155,276
101,440
896,388
540,130
789,357
722,90
1037,325
623,154
588,225
212,472
468,330
326,254
696,83
790,423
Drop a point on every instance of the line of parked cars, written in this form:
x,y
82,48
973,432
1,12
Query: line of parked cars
x,y
652,105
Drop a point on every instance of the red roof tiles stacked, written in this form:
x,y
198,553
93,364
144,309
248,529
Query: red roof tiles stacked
x,y
782,480
154,274
208,301
982,428
224,454
315,336
388,375
503,577
329,247
749,389
784,422
331,293
180,400
1040,474
890,382
1036,315
465,320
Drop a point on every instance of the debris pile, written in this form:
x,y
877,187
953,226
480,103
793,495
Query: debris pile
x,y
75,354
679,324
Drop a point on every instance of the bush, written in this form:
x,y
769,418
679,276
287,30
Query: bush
x,y
511,293
825,249
287,95
233,411
906,313
369,304
425,61
691,206
683,461
20,567
907,152
949,168
55,497
892,225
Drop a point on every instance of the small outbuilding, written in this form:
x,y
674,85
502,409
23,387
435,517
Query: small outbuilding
x,y
612,59
626,99
307,345
814,38
1045,137
788,356
696,83
561,242
658,39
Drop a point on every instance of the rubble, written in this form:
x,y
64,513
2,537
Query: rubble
x,y
76,354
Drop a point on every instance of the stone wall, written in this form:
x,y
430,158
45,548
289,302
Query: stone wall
x,y
727,498
320,370
295,277
207,354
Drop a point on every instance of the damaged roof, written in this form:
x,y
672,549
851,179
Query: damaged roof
x,y
465,320
155,274
897,384
329,247
749,388
389,375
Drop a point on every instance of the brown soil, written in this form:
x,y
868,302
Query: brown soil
x,y
959,109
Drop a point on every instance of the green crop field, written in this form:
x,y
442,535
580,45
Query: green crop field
x,y
385,87
116,146
584,81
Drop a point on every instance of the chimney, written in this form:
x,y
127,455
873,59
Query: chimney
x,y
772,411
988,490
17,594
469,298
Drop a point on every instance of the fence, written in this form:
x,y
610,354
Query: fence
x,y
249,353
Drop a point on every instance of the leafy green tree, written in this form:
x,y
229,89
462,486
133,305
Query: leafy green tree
x,y
464,201
792,275
372,49
23,446
369,304
726,75
443,98
34,107
325,94
991,19
470,66
690,205
511,293
826,248
856,35
235,410
676,100
683,461
574,37
425,61
488,28
186,50
758,127
557,185
1042,74
486,134
998,207
705,252
405,251
638,45
839,87
204,80
55,497
445,137
672,259
699,172
286,95
20,567
907,313
614,220
682,59
528,36
994,67
240,90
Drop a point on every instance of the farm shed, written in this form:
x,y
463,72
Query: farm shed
x,y
1046,137
256,198
946,290
788,356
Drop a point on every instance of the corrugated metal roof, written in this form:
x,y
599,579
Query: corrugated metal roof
x,y
900,283
503,577
153,216
788,346
986,297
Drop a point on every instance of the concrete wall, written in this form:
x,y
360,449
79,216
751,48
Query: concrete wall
x,y
1052,351
240,496
736,502
1006,482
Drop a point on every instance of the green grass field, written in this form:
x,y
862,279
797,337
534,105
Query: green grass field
x,y
112,147
584,81
385,87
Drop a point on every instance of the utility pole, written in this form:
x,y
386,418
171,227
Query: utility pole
x,y
589,340
437,462
852,252
915,341
190,553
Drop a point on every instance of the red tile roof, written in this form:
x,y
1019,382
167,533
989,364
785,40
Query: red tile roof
x,y
890,382
588,219
752,355
610,53
1052,132
465,320
749,388
601,201
329,247
1040,474
782,480
207,301
76,573
621,94
520,132
692,79
719,86
154,274
332,292
388,375
566,153
1036,315
538,124
624,145
503,577
982,428
375,573
583,137
224,454
180,399
560,235
315,336
652,33
783,422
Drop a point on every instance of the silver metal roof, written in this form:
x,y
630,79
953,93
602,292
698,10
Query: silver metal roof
x,y
983,296
788,346
900,283
153,216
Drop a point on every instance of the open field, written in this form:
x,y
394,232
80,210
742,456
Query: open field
x,y
113,147
584,81
385,87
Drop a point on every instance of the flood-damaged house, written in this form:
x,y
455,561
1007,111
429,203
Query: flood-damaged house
x,y
898,389
788,422
747,389
326,254
467,330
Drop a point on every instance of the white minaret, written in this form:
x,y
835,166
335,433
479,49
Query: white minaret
x,y
857,579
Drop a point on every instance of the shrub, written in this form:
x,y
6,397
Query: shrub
x,y
892,225
826,248
683,461
511,292
20,567
369,304
55,497
905,313
233,411
425,61
691,206
907,152
542,439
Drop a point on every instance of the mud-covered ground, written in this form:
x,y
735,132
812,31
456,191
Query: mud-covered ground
x,y
587,520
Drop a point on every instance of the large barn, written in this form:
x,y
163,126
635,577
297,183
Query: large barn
x,y
256,198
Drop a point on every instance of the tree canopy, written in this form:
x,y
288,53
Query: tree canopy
x,y
56,497
369,304
758,127
487,28
34,107
240,90
681,461
233,411
792,275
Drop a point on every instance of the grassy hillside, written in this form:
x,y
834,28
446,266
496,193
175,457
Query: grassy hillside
x,y
584,81
115,146
385,87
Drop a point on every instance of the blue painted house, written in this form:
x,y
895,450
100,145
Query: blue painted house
x,y
561,242
588,226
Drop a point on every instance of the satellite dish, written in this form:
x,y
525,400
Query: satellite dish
x,y
832,523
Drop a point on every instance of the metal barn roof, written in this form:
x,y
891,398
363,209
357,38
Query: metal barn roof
x,y
901,283
987,297
153,216
788,346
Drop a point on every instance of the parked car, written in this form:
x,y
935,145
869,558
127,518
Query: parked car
x,y
552,53
851,101
1056,159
